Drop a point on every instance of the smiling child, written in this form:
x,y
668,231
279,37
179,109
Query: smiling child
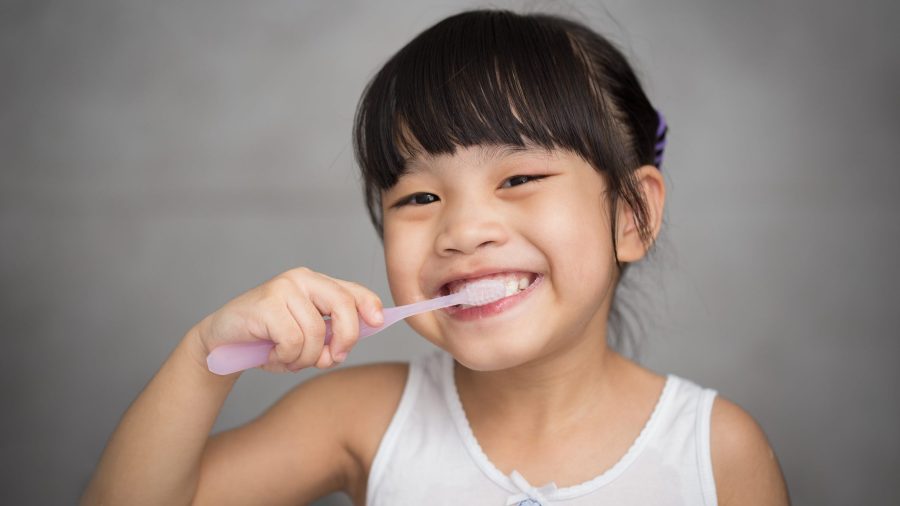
x,y
494,145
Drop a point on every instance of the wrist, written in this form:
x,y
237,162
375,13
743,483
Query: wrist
x,y
195,349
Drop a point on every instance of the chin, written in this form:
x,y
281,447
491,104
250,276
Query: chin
x,y
478,352
487,358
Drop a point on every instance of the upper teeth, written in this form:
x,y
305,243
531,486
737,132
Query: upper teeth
x,y
514,282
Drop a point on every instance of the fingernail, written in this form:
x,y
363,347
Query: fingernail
x,y
377,317
340,357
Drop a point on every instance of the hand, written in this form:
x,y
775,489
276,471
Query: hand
x,y
288,310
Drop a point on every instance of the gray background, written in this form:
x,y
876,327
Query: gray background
x,y
159,158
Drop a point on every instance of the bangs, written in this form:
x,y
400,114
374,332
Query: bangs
x,y
484,91
495,78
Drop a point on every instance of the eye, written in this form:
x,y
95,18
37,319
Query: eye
x,y
417,199
520,180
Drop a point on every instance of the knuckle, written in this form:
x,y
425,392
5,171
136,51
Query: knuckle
x,y
279,285
347,318
297,276
290,340
317,327
295,340
273,290
349,305
354,286
344,298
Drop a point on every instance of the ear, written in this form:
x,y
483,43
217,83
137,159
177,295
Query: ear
x,y
653,187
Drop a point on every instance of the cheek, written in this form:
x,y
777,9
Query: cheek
x,y
402,257
393,264
577,241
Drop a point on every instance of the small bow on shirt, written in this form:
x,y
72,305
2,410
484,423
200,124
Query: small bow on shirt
x,y
530,496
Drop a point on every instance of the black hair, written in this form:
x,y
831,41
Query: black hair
x,y
495,77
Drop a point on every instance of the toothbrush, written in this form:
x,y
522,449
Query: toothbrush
x,y
231,358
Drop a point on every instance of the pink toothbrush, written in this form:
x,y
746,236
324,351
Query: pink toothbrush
x,y
231,358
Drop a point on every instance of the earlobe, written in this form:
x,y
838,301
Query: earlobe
x,y
630,246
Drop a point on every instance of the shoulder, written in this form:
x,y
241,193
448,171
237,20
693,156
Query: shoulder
x,y
362,397
373,389
360,383
745,467
362,400
315,440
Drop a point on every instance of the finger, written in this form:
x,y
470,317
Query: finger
x,y
341,306
313,327
325,361
283,330
273,365
367,302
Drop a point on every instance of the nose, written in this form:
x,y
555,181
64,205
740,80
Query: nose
x,y
466,227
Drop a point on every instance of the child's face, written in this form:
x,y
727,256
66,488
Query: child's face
x,y
473,214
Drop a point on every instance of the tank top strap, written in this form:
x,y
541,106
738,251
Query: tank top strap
x,y
420,397
395,428
684,432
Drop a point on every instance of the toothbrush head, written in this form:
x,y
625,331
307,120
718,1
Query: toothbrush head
x,y
483,292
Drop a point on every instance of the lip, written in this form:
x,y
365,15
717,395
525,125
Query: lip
x,y
496,307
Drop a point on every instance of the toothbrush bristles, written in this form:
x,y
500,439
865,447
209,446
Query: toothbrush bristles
x,y
485,292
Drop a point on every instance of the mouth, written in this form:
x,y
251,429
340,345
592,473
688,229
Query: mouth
x,y
518,286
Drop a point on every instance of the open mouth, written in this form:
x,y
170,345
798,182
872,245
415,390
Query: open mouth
x,y
514,283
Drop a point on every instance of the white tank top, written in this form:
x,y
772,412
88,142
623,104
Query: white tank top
x,y
429,455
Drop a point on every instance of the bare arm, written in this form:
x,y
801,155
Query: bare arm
x,y
153,457
745,467
318,439
159,451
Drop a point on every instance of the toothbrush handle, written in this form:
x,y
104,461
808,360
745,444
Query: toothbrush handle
x,y
231,358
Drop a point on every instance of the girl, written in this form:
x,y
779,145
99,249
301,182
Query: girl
x,y
494,145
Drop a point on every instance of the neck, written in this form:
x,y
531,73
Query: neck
x,y
557,391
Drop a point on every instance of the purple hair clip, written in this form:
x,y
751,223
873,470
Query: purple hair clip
x,y
660,140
